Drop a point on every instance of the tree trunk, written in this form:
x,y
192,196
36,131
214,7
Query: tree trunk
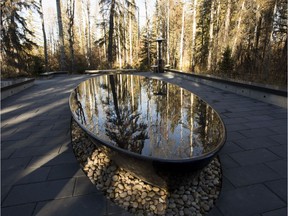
x,y
89,34
111,34
227,22
238,27
216,40
119,44
61,36
267,47
194,26
211,28
130,38
182,38
70,12
44,36
167,33
126,40
148,35
105,39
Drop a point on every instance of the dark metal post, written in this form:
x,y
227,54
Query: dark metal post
x,y
160,62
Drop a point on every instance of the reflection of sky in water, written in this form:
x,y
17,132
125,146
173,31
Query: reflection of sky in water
x,y
172,123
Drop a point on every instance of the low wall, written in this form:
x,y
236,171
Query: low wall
x,y
11,87
260,92
109,71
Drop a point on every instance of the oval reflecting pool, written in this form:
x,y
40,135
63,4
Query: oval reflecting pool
x,y
148,125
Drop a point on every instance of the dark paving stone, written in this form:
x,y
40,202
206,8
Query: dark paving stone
x,y
35,151
65,171
230,147
253,156
60,140
64,125
33,128
84,186
226,185
43,118
279,129
257,132
4,192
16,136
281,139
6,153
13,163
5,132
236,127
279,187
280,150
23,176
250,200
261,118
268,124
235,121
228,162
47,122
215,212
91,204
233,136
23,210
52,134
277,212
25,126
255,143
21,143
248,175
53,159
36,192
279,166
238,115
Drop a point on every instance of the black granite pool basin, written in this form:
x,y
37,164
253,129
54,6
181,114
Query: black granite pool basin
x,y
150,127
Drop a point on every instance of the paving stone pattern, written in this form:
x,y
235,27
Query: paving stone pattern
x,y
40,175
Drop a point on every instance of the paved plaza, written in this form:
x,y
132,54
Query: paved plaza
x,y
40,175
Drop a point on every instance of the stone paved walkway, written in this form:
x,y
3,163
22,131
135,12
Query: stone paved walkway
x,y
40,175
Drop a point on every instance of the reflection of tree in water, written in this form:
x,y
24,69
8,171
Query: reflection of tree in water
x,y
79,111
125,130
122,124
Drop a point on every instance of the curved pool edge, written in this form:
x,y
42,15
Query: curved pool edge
x,y
151,168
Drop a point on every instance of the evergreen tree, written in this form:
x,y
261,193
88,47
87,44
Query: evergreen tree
x,y
147,51
16,43
227,64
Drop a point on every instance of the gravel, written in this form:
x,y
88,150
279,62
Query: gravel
x,y
189,197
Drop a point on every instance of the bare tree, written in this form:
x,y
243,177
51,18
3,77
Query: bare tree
x,y
211,30
61,36
44,35
182,36
70,13
193,40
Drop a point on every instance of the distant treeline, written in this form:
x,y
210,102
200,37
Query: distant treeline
x,y
245,39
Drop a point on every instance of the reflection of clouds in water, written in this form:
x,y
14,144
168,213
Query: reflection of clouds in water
x,y
179,124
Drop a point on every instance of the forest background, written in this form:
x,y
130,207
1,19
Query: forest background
x,y
239,39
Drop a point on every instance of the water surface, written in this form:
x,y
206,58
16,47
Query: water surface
x,y
147,116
